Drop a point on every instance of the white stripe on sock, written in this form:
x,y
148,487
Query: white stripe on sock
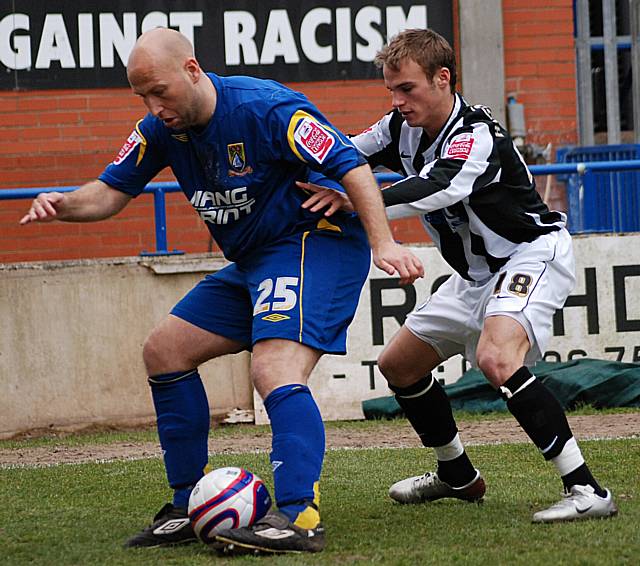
x,y
470,483
569,459
508,393
451,450
419,392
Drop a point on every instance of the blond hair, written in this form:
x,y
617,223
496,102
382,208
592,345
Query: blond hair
x,y
424,46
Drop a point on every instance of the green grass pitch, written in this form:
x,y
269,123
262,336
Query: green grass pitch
x,y
80,514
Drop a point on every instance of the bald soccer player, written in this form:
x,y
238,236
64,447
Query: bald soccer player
x,y
237,146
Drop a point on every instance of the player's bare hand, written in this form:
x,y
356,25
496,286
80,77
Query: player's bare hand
x,y
44,208
393,258
325,198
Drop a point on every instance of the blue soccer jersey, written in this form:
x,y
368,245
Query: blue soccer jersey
x,y
239,173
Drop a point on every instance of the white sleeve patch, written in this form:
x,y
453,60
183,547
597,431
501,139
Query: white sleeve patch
x,y
459,147
314,138
132,141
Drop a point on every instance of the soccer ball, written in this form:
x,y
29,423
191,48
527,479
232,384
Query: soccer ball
x,y
227,498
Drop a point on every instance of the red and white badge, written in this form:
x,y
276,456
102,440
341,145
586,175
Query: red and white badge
x,y
314,138
132,141
460,147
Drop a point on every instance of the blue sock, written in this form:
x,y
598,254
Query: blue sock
x,y
297,452
183,427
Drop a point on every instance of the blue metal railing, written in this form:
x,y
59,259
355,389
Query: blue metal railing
x,y
160,189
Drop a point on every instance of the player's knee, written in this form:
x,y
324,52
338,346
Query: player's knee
x,y
396,371
156,353
495,366
388,366
265,380
150,352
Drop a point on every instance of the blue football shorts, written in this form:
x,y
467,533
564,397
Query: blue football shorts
x,y
304,288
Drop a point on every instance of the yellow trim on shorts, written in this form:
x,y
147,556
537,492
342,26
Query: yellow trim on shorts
x,y
324,224
304,237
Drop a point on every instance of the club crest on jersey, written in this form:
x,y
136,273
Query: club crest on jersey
x,y
460,147
132,142
314,138
237,160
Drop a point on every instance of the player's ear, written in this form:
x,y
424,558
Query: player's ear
x,y
193,69
443,77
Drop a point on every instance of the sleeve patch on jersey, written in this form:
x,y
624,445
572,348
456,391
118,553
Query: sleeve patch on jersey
x,y
314,138
132,142
460,147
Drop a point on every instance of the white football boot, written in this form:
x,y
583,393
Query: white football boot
x,y
430,487
580,503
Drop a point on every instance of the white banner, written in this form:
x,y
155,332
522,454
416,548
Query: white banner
x,y
67,44
601,319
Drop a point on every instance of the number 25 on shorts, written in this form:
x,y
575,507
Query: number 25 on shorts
x,y
276,295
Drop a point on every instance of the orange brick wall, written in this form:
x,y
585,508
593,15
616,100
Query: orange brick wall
x,y
57,138
540,67
65,137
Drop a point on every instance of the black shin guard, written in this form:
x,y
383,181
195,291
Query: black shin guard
x,y
542,417
427,407
539,413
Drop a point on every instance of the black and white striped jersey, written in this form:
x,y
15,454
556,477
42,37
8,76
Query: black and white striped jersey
x,y
470,185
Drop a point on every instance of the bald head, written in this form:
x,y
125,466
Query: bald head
x,y
163,71
161,46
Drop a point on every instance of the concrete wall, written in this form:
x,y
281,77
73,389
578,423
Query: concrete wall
x,y
482,54
71,336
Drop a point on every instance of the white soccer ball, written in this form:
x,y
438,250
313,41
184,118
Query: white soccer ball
x,y
227,498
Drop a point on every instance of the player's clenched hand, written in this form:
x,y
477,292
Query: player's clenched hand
x,y
393,258
325,198
44,208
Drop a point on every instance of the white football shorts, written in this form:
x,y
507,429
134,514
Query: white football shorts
x,y
529,288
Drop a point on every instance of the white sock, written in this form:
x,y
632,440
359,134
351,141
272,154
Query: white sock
x,y
451,450
569,459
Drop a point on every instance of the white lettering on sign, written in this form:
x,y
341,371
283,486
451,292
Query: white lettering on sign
x,y
54,44
373,41
85,40
279,40
308,41
15,49
344,52
241,31
320,35
397,21
117,33
240,28
112,37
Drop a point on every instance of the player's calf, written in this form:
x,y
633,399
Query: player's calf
x,y
543,419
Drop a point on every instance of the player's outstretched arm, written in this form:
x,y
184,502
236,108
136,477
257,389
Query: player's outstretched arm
x,y
388,255
93,201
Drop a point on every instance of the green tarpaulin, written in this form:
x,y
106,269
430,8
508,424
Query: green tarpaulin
x,y
599,383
